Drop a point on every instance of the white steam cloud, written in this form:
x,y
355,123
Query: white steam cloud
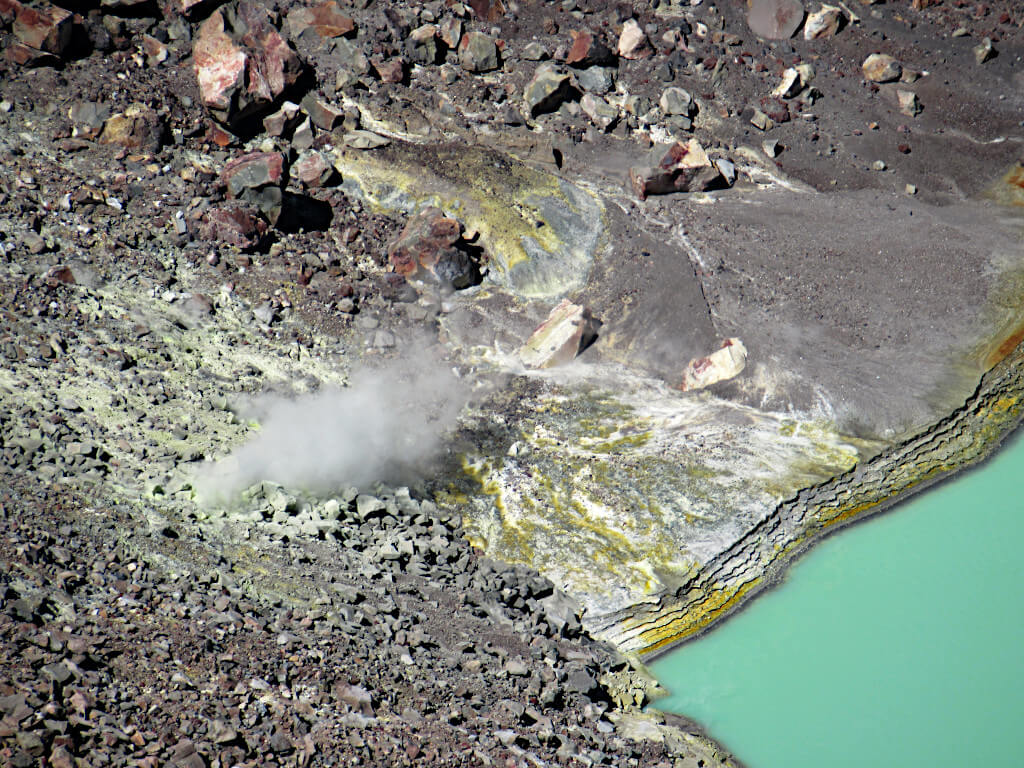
x,y
386,425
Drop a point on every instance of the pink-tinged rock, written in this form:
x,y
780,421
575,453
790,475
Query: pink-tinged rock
x,y
633,42
427,249
721,365
587,50
47,28
252,171
232,224
487,10
567,331
326,19
775,19
671,168
9,10
24,56
257,178
242,63
284,120
389,70
313,170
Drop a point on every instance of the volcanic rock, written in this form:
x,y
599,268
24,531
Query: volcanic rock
x,y
984,51
242,63
567,331
478,53
823,23
588,50
313,170
325,19
723,364
633,42
881,68
600,112
775,19
427,248
670,168
910,105
422,44
676,101
257,178
138,127
233,223
46,28
548,88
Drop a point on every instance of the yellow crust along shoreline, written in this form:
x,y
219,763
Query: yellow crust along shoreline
x,y
758,560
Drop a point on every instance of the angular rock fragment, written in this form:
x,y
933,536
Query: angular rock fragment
x,y
450,32
774,19
323,116
46,28
428,247
984,51
478,53
567,331
761,121
633,42
881,68
548,89
389,70
670,168
233,223
601,113
588,50
313,170
823,23
242,63
324,19
283,121
676,101
910,105
138,127
596,79
725,363
9,10
422,44
360,139
257,178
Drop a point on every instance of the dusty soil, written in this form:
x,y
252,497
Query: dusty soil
x,y
136,629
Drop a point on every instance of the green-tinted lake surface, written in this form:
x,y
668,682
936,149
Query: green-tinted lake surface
x,y
899,642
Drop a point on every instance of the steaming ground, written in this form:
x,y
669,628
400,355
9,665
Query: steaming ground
x,y
385,426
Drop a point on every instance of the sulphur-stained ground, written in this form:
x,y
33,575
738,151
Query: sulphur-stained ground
x,y
218,218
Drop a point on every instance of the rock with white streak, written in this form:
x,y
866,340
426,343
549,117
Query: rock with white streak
x,y
242,63
823,23
721,365
670,168
568,330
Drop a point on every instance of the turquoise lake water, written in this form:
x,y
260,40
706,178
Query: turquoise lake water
x,y
898,642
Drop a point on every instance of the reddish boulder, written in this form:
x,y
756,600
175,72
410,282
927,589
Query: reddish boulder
x,y
325,19
671,168
587,50
775,19
9,10
242,63
257,178
313,170
427,248
47,28
232,224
